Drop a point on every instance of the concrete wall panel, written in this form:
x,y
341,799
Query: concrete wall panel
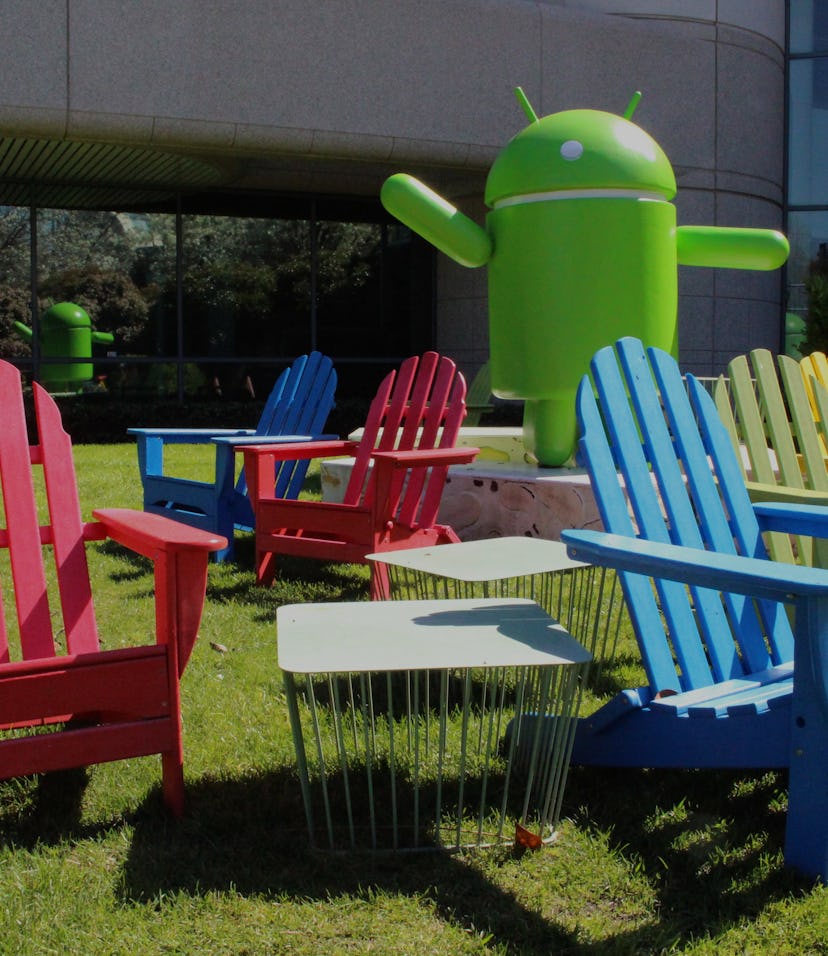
x,y
334,95
34,55
431,70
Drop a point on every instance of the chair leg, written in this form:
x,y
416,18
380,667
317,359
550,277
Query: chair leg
x,y
380,584
806,833
265,568
172,785
172,759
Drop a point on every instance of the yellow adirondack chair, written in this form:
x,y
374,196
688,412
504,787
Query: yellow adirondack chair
x,y
814,368
771,423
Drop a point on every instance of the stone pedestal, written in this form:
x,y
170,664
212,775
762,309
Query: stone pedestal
x,y
489,500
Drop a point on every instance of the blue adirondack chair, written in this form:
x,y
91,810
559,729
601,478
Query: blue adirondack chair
x,y
717,645
296,410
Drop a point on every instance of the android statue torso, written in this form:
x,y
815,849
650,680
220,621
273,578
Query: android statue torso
x,y
583,251
579,268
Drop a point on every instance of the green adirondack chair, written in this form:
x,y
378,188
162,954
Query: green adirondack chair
x,y
478,397
771,422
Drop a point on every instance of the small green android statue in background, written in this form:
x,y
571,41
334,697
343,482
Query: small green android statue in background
x,y
582,248
66,333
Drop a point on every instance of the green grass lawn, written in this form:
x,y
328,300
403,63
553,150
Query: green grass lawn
x,y
646,862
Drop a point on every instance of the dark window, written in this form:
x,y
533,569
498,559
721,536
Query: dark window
x,y
221,293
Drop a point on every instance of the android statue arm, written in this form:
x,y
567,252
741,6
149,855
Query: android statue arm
x,y
436,220
726,248
460,238
23,331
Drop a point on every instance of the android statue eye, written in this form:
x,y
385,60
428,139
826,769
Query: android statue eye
x,y
571,150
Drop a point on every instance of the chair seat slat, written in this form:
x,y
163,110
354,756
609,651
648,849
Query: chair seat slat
x,y
745,702
718,698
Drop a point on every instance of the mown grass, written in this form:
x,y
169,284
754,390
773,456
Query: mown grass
x,y
646,862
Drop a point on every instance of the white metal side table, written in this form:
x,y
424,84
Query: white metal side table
x,y
430,723
586,599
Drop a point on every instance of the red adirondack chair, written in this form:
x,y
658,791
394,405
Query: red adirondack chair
x,y
393,494
105,705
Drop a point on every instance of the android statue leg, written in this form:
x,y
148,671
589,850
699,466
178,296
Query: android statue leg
x,y
549,430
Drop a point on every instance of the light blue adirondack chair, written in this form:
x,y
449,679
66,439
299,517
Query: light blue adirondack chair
x,y
717,646
296,410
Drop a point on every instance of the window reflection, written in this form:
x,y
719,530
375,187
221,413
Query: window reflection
x,y
255,282
807,198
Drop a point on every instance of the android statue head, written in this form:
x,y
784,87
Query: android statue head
x,y
582,248
66,333
583,150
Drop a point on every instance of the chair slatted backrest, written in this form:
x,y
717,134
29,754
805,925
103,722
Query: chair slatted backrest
x,y
771,424
24,536
421,405
820,398
814,367
669,447
299,404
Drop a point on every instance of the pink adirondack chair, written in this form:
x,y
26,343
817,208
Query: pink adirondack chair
x,y
104,705
393,494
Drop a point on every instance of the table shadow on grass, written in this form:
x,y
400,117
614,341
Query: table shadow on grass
x,y
249,836
708,842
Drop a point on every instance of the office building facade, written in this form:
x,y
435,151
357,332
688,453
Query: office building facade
x,y
215,167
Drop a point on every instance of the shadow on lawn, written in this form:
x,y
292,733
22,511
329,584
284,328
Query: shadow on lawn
x,y
250,835
43,809
708,842
299,580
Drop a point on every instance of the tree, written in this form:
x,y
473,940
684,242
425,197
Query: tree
x,y
112,299
15,306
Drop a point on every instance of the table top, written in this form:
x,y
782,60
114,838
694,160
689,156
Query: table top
x,y
362,636
490,559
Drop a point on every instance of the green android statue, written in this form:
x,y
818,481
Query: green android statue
x,y
582,247
66,333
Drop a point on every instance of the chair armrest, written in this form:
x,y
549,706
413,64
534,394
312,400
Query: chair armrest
x,y
427,457
189,436
805,519
755,577
759,492
147,534
296,450
260,461
179,554
252,439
